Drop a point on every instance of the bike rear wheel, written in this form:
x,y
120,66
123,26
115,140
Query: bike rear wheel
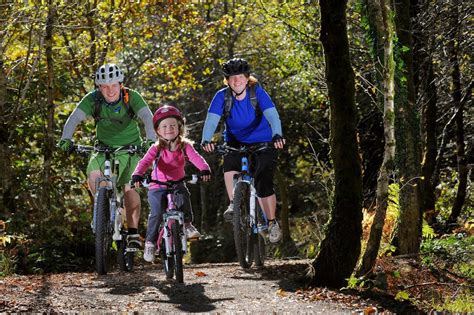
x,y
124,258
242,233
103,237
178,251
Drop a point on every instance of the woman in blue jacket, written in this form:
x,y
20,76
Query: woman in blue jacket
x,y
250,118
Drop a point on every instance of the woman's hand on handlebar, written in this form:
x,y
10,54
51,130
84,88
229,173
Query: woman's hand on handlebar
x,y
278,141
209,147
137,180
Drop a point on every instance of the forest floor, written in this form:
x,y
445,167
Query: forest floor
x,y
279,287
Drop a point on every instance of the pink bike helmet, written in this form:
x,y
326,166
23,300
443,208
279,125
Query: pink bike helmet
x,y
166,111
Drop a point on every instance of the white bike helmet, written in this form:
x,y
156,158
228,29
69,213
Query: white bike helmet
x,y
108,73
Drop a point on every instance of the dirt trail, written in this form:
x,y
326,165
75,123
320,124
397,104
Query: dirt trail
x,y
209,288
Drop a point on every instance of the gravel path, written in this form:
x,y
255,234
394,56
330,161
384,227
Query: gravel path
x,y
208,288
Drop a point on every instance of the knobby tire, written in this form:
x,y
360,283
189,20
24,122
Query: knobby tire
x,y
259,241
242,232
168,262
124,258
178,251
103,237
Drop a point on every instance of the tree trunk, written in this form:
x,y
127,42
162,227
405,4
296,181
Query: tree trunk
x,y
387,168
453,48
7,194
408,232
91,9
50,126
428,97
340,249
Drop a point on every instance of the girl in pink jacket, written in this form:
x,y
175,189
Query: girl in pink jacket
x,y
171,151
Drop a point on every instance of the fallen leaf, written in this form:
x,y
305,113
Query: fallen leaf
x,y
200,274
370,310
282,292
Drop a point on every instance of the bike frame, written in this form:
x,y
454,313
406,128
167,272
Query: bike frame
x,y
171,214
246,176
109,181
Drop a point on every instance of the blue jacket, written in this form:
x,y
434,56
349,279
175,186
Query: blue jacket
x,y
243,124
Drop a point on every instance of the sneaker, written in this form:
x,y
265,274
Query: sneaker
x,y
229,213
274,232
192,232
149,252
133,243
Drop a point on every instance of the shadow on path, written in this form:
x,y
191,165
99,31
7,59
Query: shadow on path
x,y
189,298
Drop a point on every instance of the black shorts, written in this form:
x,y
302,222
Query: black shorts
x,y
262,167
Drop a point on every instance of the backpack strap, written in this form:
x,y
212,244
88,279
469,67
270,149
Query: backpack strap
x,y
228,101
157,158
99,99
126,99
254,101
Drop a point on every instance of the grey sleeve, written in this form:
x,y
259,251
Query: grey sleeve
x,y
210,126
73,120
273,118
146,116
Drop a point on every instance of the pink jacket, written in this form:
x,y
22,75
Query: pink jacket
x,y
170,164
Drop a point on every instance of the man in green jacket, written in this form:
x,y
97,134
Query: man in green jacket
x,y
114,107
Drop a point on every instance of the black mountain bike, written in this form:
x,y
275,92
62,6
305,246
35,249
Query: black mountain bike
x,y
250,223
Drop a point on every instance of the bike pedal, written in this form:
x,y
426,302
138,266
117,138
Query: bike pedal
x,y
132,250
195,239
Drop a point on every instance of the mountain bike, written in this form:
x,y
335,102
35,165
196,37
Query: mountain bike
x,y
172,241
250,223
108,214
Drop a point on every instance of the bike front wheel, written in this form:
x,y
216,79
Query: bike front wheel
x,y
178,251
242,233
168,261
103,237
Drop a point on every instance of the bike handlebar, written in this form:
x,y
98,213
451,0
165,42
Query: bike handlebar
x,y
131,149
192,179
223,149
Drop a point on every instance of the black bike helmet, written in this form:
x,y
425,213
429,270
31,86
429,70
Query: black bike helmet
x,y
235,66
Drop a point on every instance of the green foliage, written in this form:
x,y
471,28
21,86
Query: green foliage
x,y
402,296
391,216
447,189
307,233
427,232
452,251
354,283
8,264
12,248
461,303
393,208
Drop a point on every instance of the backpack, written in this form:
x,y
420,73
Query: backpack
x,y
228,101
99,98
